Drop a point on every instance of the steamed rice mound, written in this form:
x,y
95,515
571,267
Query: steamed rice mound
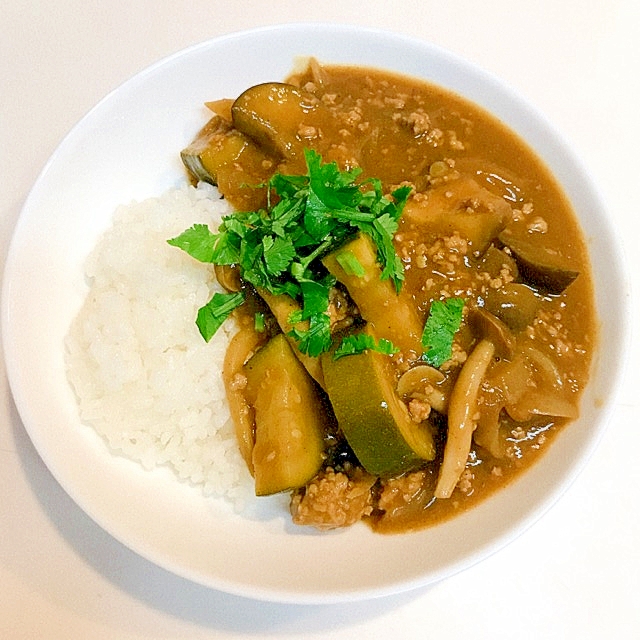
x,y
144,377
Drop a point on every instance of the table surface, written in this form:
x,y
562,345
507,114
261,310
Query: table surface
x,y
574,574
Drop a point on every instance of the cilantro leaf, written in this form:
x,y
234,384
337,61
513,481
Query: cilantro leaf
x,y
316,339
392,265
440,328
315,296
360,342
318,221
400,197
216,311
197,241
226,250
278,254
334,188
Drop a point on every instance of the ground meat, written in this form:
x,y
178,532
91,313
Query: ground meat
x,y
465,484
419,123
538,225
306,132
333,500
419,410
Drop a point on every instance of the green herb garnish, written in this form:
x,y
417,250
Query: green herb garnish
x,y
360,342
258,322
351,265
216,311
315,304
280,248
444,320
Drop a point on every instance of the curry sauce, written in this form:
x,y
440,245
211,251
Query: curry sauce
x,y
485,222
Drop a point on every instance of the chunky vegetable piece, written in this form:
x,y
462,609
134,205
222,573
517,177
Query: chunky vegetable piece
x,y
372,417
389,314
540,265
285,309
272,115
463,207
514,303
201,157
215,155
242,346
289,419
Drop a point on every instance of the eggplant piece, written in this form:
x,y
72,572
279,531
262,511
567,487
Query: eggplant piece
x,y
216,145
242,346
290,419
541,266
271,114
373,419
514,303
223,156
282,306
495,261
390,314
464,207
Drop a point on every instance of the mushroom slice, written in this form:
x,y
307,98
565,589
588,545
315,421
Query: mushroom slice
x,y
487,433
228,277
422,382
460,421
485,325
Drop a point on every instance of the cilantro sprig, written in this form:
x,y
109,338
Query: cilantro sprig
x,y
280,248
216,311
443,321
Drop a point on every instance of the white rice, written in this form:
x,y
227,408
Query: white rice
x,y
144,377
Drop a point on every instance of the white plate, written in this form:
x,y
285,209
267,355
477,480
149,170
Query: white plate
x,y
127,147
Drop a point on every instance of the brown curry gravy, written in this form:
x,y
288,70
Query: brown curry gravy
x,y
402,130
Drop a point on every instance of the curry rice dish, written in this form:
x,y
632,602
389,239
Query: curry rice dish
x,y
402,290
